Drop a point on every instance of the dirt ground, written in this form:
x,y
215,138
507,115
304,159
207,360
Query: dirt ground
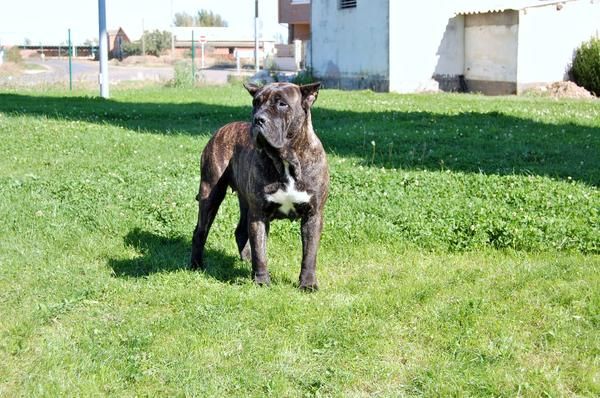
x,y
562,90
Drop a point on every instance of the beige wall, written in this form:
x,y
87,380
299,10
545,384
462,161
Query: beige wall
x,y
491,46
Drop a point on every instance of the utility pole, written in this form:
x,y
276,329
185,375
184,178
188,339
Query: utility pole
x,y
193,57
70,62
172,32
143,41
103,48
256,35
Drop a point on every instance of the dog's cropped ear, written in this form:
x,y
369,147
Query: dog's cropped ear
x,y
252,88
309,94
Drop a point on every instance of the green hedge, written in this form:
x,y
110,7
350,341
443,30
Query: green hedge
x,y
586,66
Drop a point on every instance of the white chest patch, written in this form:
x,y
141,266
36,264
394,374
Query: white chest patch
x,y
290,196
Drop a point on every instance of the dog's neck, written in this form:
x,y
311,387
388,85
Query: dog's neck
x,y
295,153
304,138
299,151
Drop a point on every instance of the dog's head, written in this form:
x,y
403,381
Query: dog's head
x,y
280,112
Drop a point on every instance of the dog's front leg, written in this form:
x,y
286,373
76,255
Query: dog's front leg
x,y
258,227
311,236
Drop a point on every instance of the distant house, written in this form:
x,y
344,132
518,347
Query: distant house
x,y
295,13
220,40
116,39
494,47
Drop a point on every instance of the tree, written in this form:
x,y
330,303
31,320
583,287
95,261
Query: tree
x,y
134,48
90,42
156,42
202,18
183,19
208,18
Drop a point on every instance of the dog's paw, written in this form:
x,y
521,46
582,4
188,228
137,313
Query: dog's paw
x,y
309,287
262,279
196,264
308,283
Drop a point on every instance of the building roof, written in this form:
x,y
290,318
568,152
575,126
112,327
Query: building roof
x,y
229,44
215,34
479,6
115,32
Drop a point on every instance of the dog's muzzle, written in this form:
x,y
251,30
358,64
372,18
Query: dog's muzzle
x,y
266,140
260,140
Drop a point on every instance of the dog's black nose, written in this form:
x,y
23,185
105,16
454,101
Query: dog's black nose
x,y
259,120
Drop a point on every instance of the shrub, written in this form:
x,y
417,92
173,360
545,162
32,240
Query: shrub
x,y
304,77
134,48
157,42
586,66
182,75
14,55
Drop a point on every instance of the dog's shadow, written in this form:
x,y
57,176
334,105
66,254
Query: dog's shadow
x,y
161,254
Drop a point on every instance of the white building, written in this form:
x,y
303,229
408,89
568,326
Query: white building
x,y
496,47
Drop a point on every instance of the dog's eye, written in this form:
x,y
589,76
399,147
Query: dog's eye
x,y
281,104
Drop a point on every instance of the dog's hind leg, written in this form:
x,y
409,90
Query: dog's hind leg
x,y
241,232
210,197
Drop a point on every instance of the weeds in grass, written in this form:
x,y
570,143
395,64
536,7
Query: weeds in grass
x,y
305,76
182,77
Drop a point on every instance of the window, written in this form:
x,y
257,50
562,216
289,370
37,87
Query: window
x,y
343,4
300,1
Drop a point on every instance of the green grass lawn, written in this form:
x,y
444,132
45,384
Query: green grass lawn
x,y
460,255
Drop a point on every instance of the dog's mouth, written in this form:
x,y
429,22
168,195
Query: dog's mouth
x,y
263,142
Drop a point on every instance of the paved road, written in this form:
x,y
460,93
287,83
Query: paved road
x,y
57,71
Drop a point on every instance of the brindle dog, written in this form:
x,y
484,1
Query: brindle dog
x,y
279,169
